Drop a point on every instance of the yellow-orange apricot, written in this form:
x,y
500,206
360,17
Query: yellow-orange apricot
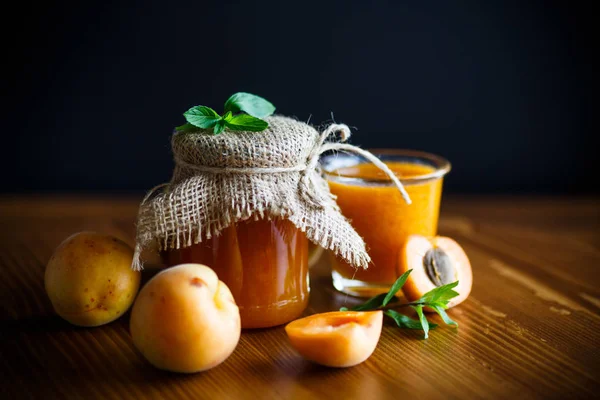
x,y
338,338
435,262
89,279
185,319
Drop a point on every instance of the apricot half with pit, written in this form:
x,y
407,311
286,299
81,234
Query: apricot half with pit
x,y
89,279
338,338
435,262
185,319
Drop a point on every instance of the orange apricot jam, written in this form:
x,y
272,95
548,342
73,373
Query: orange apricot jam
x,y
265,265
379,214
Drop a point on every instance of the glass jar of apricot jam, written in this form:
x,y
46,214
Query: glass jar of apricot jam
x,y
265,265
367,196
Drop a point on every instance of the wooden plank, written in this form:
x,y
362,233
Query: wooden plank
x,y
529,330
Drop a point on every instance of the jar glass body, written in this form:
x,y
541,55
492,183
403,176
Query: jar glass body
x,y
265,265
377,211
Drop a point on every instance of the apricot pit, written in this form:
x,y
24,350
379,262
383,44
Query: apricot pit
x,y
438,266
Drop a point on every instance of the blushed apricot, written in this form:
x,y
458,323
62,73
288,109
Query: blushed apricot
x,y
435,262
338,338
89,279
185,319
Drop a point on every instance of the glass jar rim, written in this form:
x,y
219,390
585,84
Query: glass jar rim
x,y
441,165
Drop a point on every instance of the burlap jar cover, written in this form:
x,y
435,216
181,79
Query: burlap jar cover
x,y
222,179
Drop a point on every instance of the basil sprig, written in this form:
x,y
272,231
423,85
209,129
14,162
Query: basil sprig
x,y
242,112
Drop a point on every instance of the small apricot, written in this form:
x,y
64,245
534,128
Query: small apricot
x,y
338,338
435,262
89,279
185,319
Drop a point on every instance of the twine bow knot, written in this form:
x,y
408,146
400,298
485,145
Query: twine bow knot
x,y
309,186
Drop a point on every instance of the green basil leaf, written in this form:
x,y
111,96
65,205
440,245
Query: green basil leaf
x,y
219,127
422,319
443,314
442,293
250,104
228,116
406,322
395,287
245,122
202,117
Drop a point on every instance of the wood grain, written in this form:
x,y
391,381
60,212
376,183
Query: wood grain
x,y
529,330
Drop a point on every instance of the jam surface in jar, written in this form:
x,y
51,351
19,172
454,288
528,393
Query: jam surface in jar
x,y
265,265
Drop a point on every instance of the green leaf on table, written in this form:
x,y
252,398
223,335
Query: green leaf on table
x,y
202,117
395,287
404,321
440,294
422,319
381,300
250,104
437,299
442,313
245,122
371,304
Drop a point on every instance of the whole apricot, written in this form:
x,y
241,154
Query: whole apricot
x,y
435,262
89,279
185,319
337,338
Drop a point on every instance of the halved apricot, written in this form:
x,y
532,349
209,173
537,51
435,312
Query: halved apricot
x,y
338,338
435,262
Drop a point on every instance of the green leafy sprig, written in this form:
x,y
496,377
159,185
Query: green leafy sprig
x,y
437,299
242,112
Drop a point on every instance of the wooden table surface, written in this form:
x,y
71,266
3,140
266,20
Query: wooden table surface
x,y
530,328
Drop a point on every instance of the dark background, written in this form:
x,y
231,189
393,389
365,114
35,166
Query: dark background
x,y
91,92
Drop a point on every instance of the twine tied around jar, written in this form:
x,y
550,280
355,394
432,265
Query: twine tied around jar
x,y
308,186
219,180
